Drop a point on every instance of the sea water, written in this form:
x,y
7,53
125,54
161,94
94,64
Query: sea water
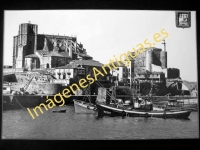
x,y
18,124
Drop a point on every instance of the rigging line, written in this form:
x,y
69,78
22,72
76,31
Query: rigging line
x,y
109,94
83,97
87,93
19,103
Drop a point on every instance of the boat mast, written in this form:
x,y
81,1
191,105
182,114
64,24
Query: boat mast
x,y
131,93
89,97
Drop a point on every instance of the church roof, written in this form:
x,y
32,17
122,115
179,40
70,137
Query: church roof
x,y
69,66
53,53
84,55
49,36
41,52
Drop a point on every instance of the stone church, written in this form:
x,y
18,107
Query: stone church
x,y
39,51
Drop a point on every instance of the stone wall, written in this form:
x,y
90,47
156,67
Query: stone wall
x,y
34,81
46,88
140,63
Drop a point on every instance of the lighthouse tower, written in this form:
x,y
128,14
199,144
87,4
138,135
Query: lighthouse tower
x,y
163,56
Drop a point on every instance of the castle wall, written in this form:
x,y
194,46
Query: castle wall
x,y
138,64
149,60
153,60
156,56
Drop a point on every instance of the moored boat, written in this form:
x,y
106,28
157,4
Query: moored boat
x,y
84,107
104,109
141,108
22,101
59,111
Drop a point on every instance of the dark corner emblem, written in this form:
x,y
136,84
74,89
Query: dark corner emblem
x,y
183,19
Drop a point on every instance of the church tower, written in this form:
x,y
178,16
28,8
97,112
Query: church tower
x,y
25,43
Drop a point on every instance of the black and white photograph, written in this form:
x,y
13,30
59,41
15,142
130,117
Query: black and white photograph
x,y
94,74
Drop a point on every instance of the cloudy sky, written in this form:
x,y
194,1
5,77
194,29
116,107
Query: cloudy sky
x,y
105,33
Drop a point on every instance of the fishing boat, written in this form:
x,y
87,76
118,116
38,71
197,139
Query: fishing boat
x,y
139,108
112,110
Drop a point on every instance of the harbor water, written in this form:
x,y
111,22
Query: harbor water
x,y
18,124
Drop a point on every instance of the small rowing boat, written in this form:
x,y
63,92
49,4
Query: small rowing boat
x,y
59,111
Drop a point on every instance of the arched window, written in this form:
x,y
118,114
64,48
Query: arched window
x,y
64,75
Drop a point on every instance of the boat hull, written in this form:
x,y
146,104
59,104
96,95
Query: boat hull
x,y
19,101
103,110
111,111
27,101
83,108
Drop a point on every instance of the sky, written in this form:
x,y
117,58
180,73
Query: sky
x,y
105,33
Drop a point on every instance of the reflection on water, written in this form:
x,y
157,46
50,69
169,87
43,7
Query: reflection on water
x,y
18,124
